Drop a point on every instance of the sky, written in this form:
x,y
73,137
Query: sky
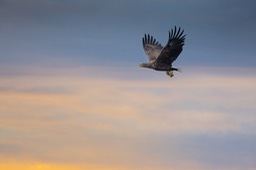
x,y
72,95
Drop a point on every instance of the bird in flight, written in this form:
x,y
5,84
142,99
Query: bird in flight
x,y
161,58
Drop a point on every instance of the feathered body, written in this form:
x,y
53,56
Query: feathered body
x,y
161,58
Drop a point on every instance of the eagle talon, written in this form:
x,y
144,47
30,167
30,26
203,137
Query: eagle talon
x,y
170,73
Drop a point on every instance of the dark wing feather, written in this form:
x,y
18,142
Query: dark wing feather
x,y
151,47
173,48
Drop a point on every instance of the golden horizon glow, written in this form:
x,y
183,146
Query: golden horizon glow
x,y
49,166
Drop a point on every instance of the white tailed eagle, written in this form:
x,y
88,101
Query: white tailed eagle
x,y
161,58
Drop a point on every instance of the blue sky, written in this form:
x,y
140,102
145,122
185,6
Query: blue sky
x,y
105,32
73,97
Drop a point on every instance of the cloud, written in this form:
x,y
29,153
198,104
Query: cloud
x,y
97,117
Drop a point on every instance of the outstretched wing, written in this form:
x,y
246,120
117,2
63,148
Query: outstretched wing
x,y
151,47
173,48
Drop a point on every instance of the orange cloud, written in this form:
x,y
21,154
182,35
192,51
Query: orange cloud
x,y
110,121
